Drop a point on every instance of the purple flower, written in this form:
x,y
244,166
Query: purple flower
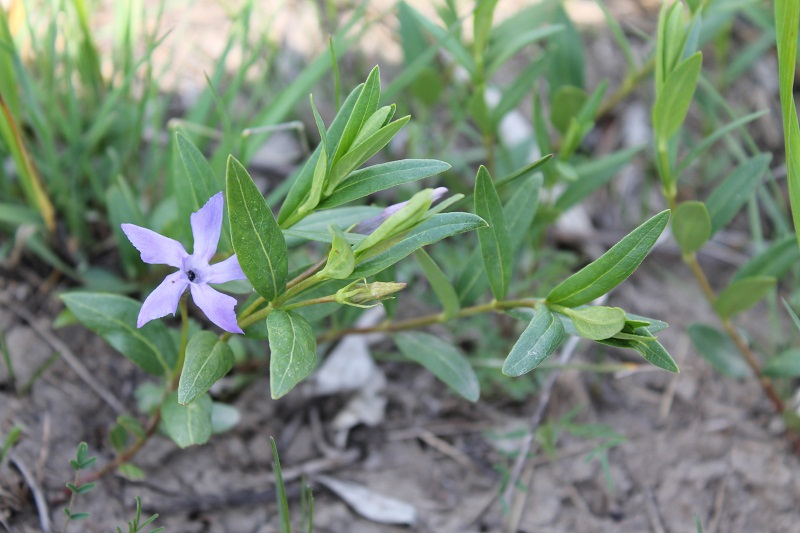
x,y
195,272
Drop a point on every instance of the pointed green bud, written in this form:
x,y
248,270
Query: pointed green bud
x,y
396,219
367,294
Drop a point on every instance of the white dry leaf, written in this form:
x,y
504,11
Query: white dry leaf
x,y
369,504
350,366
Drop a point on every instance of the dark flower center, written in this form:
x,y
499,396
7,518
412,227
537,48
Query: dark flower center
x,y
191,275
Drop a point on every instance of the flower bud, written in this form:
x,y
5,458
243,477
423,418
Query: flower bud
x,y
367,294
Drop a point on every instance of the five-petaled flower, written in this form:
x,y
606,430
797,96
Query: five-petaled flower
x,y
194,270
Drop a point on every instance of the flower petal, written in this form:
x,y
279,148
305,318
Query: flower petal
x,y
223,271
164,299
206,226
155,248
218,307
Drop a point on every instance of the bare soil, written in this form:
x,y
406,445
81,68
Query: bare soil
x,y
697,446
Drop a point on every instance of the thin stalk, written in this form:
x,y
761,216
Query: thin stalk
x,y
176,372
128,454
67,519
436,318
313,301
631,81
733,333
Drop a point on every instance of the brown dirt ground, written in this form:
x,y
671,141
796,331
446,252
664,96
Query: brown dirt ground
x,y
697,444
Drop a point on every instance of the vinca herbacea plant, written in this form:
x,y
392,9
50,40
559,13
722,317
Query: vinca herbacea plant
x,y
321,254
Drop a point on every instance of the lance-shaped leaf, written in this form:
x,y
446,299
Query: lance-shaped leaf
x,y
738,188
439,283
595,323
376,178
519,211
539,340
650,349
293,350
443,361
359,153
197,184
207,360
612,268
317,183
433,230
774,261
719,350
187,425
691,226
494,239
364,107
784,365
673,100
742,294
113,317
257,238
301,180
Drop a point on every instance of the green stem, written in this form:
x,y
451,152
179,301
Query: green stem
x,y
437,318
176,371
71,503
632,80
314,301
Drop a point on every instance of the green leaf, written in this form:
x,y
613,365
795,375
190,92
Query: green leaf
x,y
594,174
742,294
364,107
443,360
132,472
494,240
784,365
187,425
359,154
293,351
787,13
701,148
122,206
318,181
691,226
719,350
433,230
651,350
113,317
284,519
730,195
612,268
376,178
195,186
538,342
341,260
595,323
118,436
224,417
775,261
673,100
379,118
301,181
566,103
519,212
439,283
257,238
207,360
